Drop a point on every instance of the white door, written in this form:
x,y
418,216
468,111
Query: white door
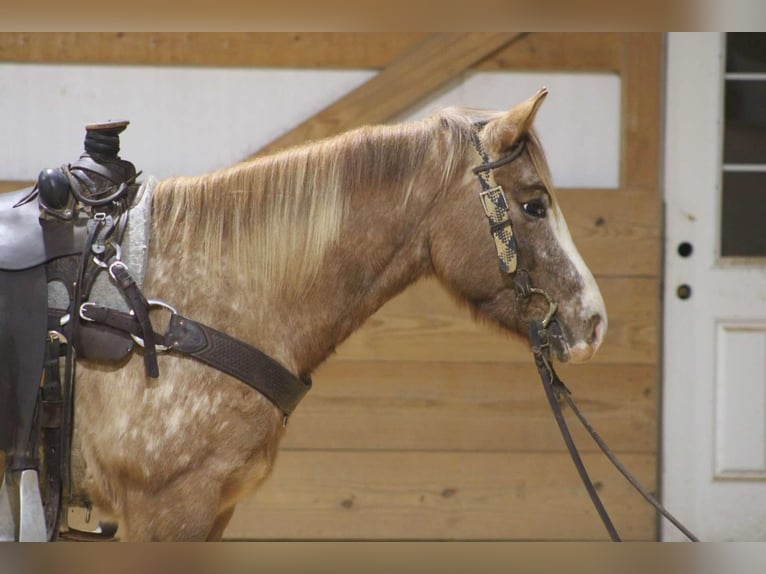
x,y
714,368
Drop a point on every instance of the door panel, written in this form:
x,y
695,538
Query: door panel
x,y
714,368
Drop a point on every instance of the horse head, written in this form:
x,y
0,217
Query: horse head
x,y
465,256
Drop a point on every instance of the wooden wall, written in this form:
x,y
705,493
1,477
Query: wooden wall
x,y
426,425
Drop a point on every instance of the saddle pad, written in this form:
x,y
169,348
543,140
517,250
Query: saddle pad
x,y
135,249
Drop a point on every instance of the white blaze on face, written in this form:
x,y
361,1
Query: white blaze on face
x,y
591,302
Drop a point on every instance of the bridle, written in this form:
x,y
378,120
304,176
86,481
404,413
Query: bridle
x,y
495,205
496,209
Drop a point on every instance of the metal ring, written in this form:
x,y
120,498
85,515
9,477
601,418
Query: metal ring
x,y
83,317
117,256
552,306
154,303
114,264
58,335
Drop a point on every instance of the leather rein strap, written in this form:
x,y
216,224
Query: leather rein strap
x,y
496,209
555,389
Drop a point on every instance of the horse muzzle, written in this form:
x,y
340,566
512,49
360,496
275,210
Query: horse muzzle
x,y
558,348
564,350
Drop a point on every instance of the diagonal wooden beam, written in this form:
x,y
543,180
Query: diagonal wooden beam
x,y
410,77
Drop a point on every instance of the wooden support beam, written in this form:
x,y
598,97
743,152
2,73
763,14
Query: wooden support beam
x,y
13,185
242,49
641,124
560,52
540,51
430,64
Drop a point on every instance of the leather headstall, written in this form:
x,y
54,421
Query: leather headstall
x,y
495,203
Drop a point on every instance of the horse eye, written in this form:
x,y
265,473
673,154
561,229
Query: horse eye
x,y
534,208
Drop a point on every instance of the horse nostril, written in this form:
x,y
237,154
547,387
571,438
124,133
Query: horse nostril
x,y
594,328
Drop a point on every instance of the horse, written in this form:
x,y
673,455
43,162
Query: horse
x,y
291,253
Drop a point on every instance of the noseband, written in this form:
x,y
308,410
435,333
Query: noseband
x,y
496,209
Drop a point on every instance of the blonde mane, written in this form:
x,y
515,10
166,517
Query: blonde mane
x,y
276,217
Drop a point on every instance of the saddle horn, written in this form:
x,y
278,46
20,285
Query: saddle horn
x,y
95,179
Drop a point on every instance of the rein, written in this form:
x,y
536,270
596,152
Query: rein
x,y
498,214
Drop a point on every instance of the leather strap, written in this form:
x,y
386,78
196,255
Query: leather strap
x,y
113,318
216,349
495,206
237,359
140,307
549,378
51,421
554,389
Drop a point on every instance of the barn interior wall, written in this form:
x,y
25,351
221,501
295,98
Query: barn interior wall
x,y
186,121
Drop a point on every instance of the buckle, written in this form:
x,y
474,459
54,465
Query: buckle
x,y
155,303
494,198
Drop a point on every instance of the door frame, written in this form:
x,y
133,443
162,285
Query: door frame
x,y
696,385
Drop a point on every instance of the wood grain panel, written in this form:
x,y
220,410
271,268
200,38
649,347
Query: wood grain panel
x,y
9,185
362,495
378,405
400,85
641,117
262,49
560,51
616,231
424,324
537,51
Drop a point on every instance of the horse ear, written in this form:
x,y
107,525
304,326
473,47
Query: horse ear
x,y
503,132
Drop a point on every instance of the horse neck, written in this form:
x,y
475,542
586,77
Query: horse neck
x,y
378,255
381,247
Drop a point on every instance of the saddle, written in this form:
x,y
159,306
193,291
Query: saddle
x,y
43,234
71,270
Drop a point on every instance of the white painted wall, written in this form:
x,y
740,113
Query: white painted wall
x,y
191,120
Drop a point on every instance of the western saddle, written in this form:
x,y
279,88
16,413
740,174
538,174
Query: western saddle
x,y
60,242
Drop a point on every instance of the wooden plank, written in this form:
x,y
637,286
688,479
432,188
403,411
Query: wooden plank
x,y
11,185
560,51
550,51
409,78
474,407
424,495
425,324
262,49
641,115
618,232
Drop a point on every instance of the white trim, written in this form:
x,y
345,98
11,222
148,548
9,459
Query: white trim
x,y
745,77
692,160
745,167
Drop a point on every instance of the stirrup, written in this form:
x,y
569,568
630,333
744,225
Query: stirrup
x,y
22,518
